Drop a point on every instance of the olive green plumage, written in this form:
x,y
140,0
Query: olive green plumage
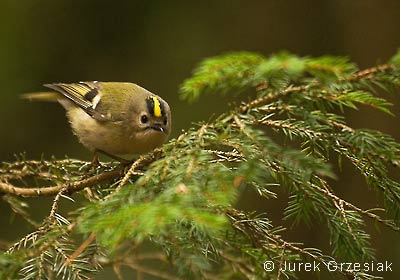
x,y
113,117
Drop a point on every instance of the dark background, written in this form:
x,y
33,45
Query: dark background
x,y
156,44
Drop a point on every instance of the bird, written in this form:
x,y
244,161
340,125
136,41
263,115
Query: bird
x,y
117,119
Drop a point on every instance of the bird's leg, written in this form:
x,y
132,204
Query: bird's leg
x,y
94,164
95,159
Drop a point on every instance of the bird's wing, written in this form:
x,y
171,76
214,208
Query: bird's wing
x,y
85,95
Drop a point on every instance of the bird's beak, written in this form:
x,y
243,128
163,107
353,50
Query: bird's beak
x,y
157,127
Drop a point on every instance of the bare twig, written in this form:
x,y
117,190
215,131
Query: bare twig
x,y
131,171
364,74
151,271
281,261
367,213
69,187
271,97
367,73
191,165
80,249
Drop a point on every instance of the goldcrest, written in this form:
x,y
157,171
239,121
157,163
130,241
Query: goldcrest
x,y
115,118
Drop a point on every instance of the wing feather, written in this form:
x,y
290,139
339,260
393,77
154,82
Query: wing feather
x,y
81,94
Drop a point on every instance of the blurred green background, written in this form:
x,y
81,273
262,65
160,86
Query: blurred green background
x,y
156,44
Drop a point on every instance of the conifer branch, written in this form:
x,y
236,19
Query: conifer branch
x,y
68,187
341,203
175,206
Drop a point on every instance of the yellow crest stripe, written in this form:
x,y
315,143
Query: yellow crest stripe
x,y
157,106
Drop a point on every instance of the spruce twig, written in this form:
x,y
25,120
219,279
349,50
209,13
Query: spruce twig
x,y
171,213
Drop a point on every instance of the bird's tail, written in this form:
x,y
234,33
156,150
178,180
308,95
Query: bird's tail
x,y
41,96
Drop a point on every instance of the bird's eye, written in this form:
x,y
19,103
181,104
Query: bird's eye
x,y
165,121
144,119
